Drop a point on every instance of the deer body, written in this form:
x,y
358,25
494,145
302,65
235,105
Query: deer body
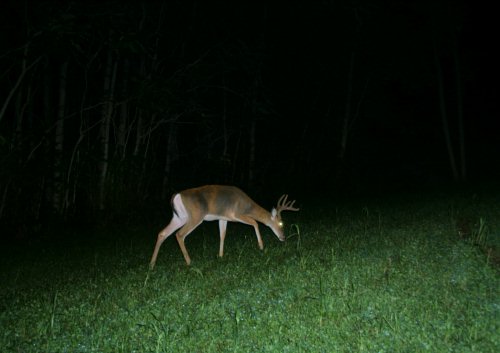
x,y
223,203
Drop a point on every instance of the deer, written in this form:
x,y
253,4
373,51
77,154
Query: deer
x,y
223,203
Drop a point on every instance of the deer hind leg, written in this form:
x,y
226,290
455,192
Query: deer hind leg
x,y
222,232
174,224
182,234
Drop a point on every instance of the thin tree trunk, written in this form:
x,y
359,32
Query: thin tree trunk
x,y
107,111
225,160
170,156
444,117
224,123
22,101
142,183
236,157
72,182
48,116
251,161
122,126
71,187
47,95
347,114
21,104
138,135
59,141
4,198
460,116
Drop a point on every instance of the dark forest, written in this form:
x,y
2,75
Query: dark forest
x,y
108,107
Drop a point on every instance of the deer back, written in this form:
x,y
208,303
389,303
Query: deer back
x,y
217,200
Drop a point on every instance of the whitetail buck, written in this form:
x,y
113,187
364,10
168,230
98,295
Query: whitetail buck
x,y
223,203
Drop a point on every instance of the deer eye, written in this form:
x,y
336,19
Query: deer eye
x,y
280,224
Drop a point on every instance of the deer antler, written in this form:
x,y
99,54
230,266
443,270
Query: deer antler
x,y
283,205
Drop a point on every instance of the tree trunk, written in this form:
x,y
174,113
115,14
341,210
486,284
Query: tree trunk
x,y
22,102
170,156
236,158
251,160
347,115
71,175
122,126
138,134
444,117
225,159
4,197
57,191
20,106
107,112
460,115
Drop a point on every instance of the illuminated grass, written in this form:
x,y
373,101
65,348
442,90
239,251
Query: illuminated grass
x,y
370,278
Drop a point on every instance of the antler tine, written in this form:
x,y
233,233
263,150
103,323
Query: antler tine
x,y
282,200
284,205
290,206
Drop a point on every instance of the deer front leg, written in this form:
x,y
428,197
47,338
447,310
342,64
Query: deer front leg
x,y
259,238
255,225
222,233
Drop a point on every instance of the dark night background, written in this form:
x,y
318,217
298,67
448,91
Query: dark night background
x,y
108,107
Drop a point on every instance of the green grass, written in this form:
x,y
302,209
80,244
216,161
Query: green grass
x,y
375,277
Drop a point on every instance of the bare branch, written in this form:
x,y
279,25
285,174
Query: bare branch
x,y
16,86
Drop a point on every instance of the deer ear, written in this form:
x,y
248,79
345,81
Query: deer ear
x,y
273,213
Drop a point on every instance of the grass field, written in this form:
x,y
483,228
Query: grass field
x,y
374,276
